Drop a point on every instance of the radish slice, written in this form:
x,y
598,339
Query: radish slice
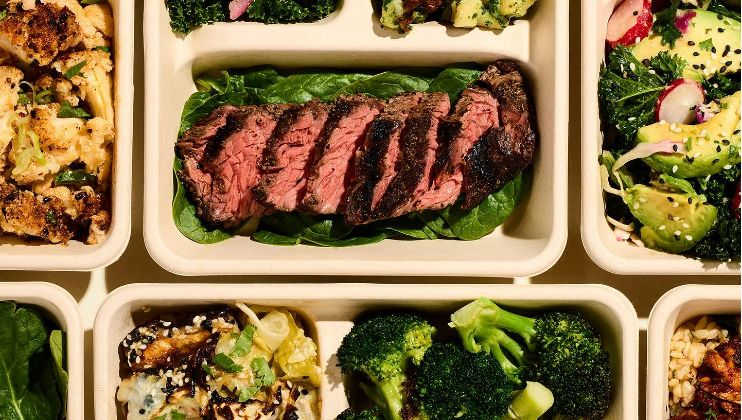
x,y
630,23
677,100
682,20
640,151
736,203
238,7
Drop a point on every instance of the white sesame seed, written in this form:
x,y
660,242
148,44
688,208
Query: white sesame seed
x,y
138,360
696,155
632,119
672,127
676,218
675,204
688,237
677,232
713,55
642,199
727,166
663,122
685,140
636,206
662,227
674,168
701,142
632,66
724,134
685,225
636,41
678,130
652,71
703,133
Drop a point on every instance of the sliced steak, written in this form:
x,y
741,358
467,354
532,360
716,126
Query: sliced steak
x,y
222,179
475,113
376,163
503,152
288,156
415,169
334,158
192,144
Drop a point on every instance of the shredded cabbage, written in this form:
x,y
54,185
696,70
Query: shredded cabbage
x,y
272,329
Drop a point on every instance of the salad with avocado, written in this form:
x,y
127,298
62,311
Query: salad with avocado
x,y
669,95
32,366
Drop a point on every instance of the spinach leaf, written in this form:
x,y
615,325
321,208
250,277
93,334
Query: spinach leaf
x,y
58,344
389,83
313,228
360,236
305,86
28,389
664,24
628,91
270,238
473,224
74,177
408,225
454,80
436,223
184,216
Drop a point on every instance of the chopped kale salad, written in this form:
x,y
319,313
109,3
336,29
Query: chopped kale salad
x,y
669,96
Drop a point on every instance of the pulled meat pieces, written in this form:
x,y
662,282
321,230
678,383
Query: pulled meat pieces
x,y
718,386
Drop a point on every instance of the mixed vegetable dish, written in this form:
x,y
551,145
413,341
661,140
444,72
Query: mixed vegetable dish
x,y
670,104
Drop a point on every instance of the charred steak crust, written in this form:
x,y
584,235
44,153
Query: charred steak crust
x,y
411,6
288,156
475,113
418,156
373,156
214,163
334,160
503,152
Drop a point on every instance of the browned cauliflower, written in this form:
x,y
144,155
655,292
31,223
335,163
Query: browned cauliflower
x,y
39,34
10,78
96,26
94,80
62,89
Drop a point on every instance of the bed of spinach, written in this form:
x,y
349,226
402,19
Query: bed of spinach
x,y
264,85
33,381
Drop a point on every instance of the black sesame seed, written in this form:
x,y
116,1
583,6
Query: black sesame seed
x,y
724,54
703,66
674,147
715,161
725,142
728,63
662,181
636,12
45,232
723,69
614,85
713,50
691,159
691,43
677,237
735,132
696,53
690,200
718,149
670,199
46,199
669,216
737,51
695,66
720,16
141,411
721,30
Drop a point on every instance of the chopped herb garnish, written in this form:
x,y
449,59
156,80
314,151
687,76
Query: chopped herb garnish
x,y
68,111
244,342
707,45
74,177
263,374
207,369
226,363
104,49
75,70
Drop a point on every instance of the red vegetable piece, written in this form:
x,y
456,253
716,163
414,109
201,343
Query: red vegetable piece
x,y
630,23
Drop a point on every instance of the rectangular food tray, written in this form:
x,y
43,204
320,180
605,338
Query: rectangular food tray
x,y
330,309
16,254
528,243
597,235
673,309
56,304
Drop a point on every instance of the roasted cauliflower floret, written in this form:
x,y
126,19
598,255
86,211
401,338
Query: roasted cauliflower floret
x,y
91,36
39,34
94,80
101,18
95,150
63,90
10,78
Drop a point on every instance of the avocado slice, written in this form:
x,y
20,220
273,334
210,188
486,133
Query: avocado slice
x,y
702,63
673,221
707,148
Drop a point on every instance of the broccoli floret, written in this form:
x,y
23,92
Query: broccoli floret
x,y
383,348
452,383
370,414
563,353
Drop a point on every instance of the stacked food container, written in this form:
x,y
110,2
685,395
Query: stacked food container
x,y
370,210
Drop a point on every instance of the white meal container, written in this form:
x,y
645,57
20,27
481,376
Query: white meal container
x,y
56,304
329,311
673,309
531,240
597,235
16,254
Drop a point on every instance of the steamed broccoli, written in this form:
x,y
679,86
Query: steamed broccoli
x,y
530,403
452,383
370,414
383,348
563,353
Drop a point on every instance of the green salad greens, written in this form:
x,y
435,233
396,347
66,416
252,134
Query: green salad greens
x,y
262,85
33,380
186,15
675,185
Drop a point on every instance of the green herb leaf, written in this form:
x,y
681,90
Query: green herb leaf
x,y
263,374
74,177
68,111
104,49
244,342
720,86
716,6
706,45
247,393
175,415
45,97
207,369
75,70
226,363
473,224
23,99
664,24
3,14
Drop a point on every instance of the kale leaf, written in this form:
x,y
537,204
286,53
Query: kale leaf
x,y
289,11
664,24
628,90
722,242
716,7
185,15
720,86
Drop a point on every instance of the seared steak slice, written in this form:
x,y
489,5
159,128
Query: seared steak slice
x,y
193,142
419,147
288,156
221,179
376,163
475,113
334,158
510,148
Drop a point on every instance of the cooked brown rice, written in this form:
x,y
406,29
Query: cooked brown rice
x,y
688,348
